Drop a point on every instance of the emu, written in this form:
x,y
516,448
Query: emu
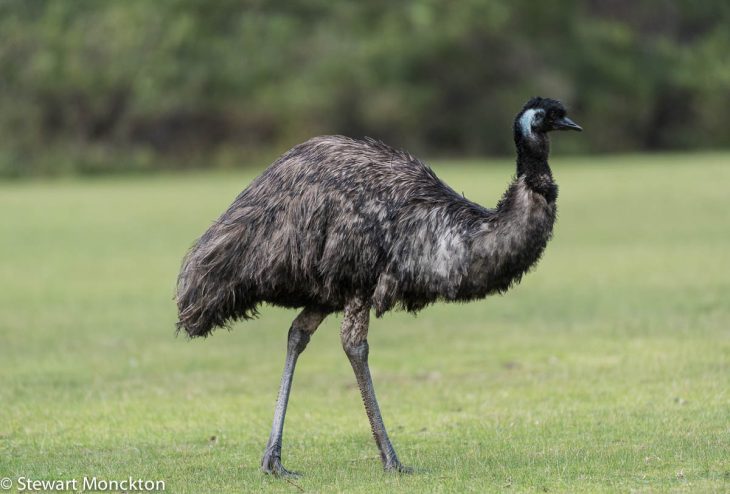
x,y
339,224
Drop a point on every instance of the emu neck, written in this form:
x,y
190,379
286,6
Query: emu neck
x,y
532,163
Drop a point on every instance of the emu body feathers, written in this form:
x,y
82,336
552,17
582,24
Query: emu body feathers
x,y
336,218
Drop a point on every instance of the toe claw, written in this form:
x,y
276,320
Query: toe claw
x,y
271,464
398,467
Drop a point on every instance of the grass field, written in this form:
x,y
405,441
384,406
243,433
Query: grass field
x,y
607,370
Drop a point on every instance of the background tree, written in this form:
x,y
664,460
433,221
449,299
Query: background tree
x,y
93,86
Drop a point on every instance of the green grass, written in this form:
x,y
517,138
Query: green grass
x,y
607,370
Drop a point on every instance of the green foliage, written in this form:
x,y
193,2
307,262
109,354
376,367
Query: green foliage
x,y
101,86
606,370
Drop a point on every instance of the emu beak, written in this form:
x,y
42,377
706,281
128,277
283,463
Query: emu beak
x,y
567,124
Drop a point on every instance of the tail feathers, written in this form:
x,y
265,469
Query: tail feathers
x,y
207,298
201,311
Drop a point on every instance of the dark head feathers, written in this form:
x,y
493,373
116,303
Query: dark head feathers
x,y
549,105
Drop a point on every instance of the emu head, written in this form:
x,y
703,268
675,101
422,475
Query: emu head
x,y
538,117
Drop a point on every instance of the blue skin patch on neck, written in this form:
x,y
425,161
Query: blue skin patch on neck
x,y
526,121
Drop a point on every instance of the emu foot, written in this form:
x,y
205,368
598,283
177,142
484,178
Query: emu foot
x,y
397,467
271,464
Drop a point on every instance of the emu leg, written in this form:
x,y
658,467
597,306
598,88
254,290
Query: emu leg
x,y
354,341
301,329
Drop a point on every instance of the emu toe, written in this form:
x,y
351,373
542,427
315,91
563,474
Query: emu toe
x,y
398,467
271,464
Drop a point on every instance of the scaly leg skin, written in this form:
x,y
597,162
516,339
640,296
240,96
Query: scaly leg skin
x,y
301,330
354,341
